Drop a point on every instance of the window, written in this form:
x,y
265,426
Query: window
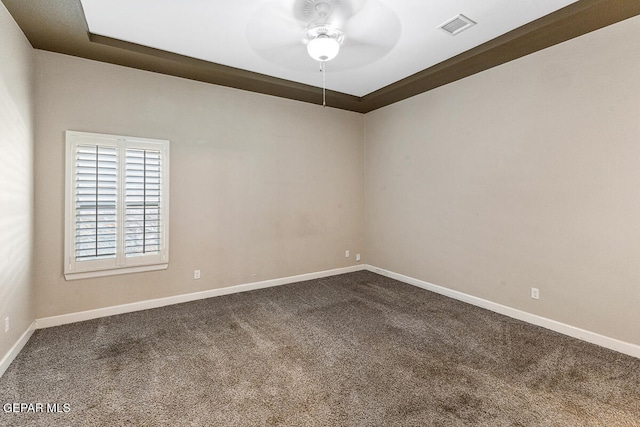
x,y
117,205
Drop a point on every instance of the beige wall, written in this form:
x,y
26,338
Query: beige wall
x,y
526,175
16,181
522,176
261,187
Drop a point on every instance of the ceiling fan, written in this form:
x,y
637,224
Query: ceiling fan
x,y
297,34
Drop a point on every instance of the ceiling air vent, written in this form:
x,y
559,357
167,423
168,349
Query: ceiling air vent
x,y
456,25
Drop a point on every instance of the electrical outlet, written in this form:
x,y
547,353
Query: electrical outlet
x,y
6,324
535,293
196,274
357,257
346,254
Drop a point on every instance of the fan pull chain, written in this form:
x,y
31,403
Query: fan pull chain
x,y
324,84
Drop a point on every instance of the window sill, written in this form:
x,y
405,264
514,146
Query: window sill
x,y
114,271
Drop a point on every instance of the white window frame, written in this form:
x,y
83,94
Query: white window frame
x,y
120,264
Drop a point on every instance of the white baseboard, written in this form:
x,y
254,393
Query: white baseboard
x,y
572,331
47,322
17,347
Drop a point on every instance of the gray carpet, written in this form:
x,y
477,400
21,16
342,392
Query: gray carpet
x,y
352,350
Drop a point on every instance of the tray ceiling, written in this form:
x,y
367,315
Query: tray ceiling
x,y
392,50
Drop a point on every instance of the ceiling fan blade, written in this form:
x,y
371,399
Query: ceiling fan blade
x,y
380,42
325,12
273,34
277,11
370,34
357,55
374,20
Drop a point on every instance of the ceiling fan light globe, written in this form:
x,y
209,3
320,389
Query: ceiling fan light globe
x,y
323,48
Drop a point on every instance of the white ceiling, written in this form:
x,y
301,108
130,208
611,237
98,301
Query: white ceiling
x,y
384,41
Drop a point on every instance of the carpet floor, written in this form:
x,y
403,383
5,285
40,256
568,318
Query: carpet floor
x,y
357,349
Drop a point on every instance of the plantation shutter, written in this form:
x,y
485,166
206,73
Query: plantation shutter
x,y
117,205
96,202
143,219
